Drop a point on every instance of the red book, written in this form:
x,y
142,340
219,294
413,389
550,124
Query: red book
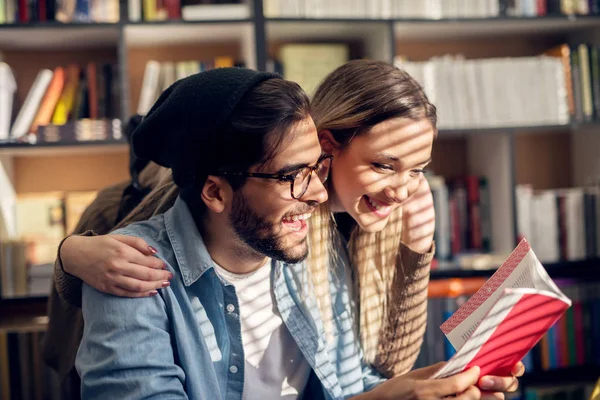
x,y
42,10
502,322
23,11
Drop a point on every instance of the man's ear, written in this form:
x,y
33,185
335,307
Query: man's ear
x,y
328,143
216,193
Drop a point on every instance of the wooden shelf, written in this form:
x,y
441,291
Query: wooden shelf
x,y
519,129
430,29
57,36
100,146
585,269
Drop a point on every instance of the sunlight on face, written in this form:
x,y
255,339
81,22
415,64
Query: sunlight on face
x,y
266,216
377,171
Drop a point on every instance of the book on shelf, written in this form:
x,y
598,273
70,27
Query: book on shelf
x,y
505,318
158,76
70,95
66,11
308,64
187,10
562,224
463,216
8,86
431,9
42,221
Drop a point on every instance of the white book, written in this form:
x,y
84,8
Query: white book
x,y
8,210
574,214
545,226
8,86
168,74
134,8
207,12
149,91
11,9
32,103
524,198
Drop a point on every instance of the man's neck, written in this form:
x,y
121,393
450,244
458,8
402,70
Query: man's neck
x,y
227,250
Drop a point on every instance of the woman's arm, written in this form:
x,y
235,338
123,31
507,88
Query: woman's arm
x,y
402,334
113,264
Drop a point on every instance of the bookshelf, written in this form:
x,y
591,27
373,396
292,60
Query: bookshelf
x,y
459,151
546,156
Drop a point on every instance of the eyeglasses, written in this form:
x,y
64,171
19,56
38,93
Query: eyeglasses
x,y
299,180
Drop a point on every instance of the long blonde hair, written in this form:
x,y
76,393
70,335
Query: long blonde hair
x,y
349,102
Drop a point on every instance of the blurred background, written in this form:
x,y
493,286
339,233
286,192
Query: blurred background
x,y
516,84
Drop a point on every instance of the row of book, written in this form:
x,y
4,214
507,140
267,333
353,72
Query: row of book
x,y
430,9
23,373
494,92
463,218
573,341
58,96
187,10
87,11
562,224
41,221
562,392
160,75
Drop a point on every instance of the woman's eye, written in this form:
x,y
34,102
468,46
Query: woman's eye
x,y
384,167
417,172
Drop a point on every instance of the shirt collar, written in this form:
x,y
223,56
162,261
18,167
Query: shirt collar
x,y
189,248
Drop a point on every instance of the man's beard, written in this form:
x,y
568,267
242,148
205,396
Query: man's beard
x,y
260,234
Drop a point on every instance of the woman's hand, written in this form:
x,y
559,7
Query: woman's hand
x,y
502,383
115,264
416,385
418,219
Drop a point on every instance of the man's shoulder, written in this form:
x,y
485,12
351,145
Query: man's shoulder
x,y
152,229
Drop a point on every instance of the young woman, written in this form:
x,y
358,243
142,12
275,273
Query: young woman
x,y
378,124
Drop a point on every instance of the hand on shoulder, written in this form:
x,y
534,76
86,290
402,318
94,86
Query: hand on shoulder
x,y
115,264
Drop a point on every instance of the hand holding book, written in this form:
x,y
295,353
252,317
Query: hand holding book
x,y
500,323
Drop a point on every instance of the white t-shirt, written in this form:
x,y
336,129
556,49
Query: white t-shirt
x,y
274,365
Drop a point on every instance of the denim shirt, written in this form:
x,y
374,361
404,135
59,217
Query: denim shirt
x,y
186,341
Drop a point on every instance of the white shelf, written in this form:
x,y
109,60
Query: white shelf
x,y
160,34
428,30
58,36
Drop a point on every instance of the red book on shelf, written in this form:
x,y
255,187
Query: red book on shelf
x,y
23,11
500,323
173,9
42,12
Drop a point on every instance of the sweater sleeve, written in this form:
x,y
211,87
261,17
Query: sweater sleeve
x,y
68,286
402,335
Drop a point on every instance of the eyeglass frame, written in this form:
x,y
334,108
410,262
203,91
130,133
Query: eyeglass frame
x,y
283,177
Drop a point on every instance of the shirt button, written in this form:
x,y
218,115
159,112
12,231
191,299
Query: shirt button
x,y
230,308
233,369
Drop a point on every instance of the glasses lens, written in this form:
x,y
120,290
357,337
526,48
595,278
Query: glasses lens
x,y
323,169
301,182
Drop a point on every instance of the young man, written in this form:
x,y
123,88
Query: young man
x,y
239,319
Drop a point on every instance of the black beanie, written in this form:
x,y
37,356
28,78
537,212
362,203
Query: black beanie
x,y
182,125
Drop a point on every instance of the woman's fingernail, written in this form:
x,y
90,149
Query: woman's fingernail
x,y
164,266
487,383
152,250
153,293
165,284
170,275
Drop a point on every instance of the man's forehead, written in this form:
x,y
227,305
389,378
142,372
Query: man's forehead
x,y
299,146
